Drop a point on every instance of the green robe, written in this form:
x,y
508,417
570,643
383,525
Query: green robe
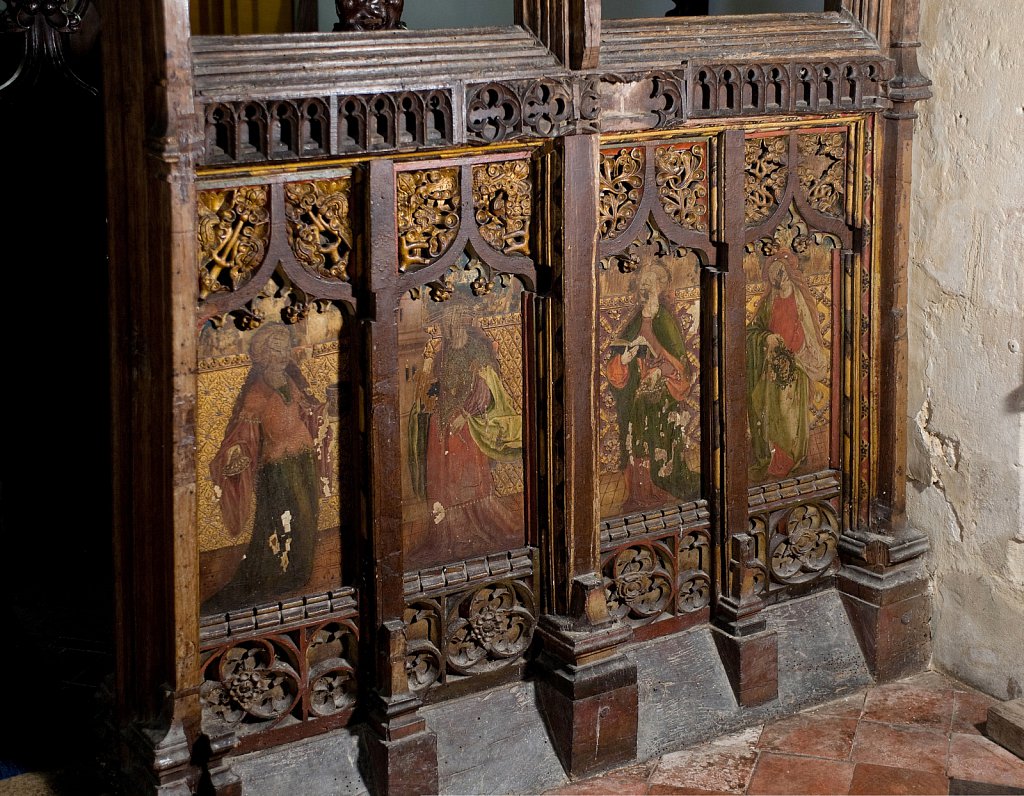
x,y
646,431
777,413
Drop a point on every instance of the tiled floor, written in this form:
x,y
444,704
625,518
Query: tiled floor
x,y
922,735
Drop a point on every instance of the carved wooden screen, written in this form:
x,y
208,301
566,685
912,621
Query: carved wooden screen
x,y
461,283
657,313
808,193
502,365
277,487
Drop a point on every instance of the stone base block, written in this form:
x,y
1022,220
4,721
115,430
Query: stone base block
x,y
403,766
591,714
1005,725
751,664
891,617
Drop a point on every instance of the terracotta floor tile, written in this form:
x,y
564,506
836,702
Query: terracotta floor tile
x,y
904,703
976,758
790,774
723,766
611,784
848,707
970,711
659,789
900,747
884,780
818,736
933,680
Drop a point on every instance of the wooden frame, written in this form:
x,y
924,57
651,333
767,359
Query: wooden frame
x,y
253,122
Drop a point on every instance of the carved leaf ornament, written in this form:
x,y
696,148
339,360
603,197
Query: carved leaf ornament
x,y
233,230
621,185
428,215
502,200
252,682
767,173
682,184
637,582
319,226
805,544
493,626
822,171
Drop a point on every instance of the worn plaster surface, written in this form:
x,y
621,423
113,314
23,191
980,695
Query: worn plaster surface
x,y
966,337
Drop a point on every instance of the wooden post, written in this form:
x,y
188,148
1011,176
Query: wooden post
x,y
588,690
748,650
884,586
403,754
152,134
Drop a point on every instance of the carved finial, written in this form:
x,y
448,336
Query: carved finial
x,y
369,14
689,8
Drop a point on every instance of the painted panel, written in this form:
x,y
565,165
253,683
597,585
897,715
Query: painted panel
x,y
272,406
791,373
649,393
461,393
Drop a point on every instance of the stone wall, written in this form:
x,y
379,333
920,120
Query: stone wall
x,y
966,335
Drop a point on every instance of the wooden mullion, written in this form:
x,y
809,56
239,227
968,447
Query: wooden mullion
x,y
732,340
577,293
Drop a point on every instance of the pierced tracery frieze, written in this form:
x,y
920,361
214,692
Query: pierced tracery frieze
x,y
320,226
682,179
794,528
282,128
500,111
428,215
729,89
233,229
502,201
822,171
621,189
658,563
639,581
267,129
766,164
468,632
305,673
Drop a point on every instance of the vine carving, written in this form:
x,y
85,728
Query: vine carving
x,y
767,173
822,171
428,215
233,229
502,200
319,226
621,186
682,175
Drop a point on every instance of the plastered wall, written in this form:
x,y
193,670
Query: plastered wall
x,y
966,337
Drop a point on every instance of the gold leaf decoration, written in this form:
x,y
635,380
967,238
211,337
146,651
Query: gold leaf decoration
x,y
320,225
502,201
428,215
767,172
822,171
232,235
681,174
621,186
